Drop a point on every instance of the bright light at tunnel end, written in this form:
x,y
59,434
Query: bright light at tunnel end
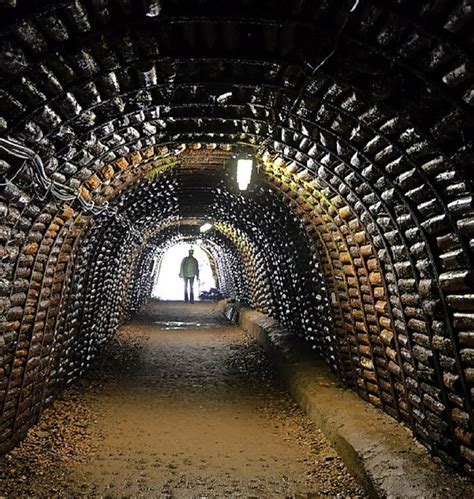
x,y
205,227
244,173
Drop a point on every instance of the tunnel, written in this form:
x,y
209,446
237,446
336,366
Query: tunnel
x,y
122,123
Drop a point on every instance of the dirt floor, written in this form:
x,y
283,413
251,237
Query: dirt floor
x,y
181,404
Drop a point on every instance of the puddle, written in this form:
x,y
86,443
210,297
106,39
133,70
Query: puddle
x,y
174,325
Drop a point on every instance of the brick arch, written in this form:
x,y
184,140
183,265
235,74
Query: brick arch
x,y
361,122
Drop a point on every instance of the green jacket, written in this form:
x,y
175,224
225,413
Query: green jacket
x,y
189,267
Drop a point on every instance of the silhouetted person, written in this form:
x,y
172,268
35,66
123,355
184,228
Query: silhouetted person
x,y
189,270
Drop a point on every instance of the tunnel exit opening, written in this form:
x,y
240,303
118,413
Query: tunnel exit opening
x,y
168,285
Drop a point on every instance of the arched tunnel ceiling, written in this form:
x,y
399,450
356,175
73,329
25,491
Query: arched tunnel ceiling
x,y
358,233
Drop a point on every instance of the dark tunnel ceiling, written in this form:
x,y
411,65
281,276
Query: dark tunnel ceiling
x,y
359,115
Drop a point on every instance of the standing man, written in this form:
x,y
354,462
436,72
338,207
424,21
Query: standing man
x,y
189,270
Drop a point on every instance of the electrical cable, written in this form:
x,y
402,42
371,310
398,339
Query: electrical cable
x,y
314,70
60,192
10,180
324,61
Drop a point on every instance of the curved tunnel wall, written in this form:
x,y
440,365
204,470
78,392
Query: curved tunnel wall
x,y
360,116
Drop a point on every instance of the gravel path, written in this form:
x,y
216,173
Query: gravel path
x,y
181,404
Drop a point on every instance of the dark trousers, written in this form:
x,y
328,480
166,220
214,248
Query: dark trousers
x,y
189,281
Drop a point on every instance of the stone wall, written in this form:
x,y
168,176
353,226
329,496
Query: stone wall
x,y
118,123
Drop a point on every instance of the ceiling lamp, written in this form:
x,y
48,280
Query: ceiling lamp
x,y
224,97
154,8
205,227
244,173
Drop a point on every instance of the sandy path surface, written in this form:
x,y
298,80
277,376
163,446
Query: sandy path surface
x,y
185,405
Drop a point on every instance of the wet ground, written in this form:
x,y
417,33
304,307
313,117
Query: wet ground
x,y
182,404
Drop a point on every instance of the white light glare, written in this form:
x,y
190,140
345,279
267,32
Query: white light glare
x,y
224,97
244,173
154,8
198,241
205,227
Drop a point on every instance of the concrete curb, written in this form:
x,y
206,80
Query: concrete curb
x,y
379,452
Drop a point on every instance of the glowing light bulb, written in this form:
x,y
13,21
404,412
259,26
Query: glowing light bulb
x,y
154,8
244,173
